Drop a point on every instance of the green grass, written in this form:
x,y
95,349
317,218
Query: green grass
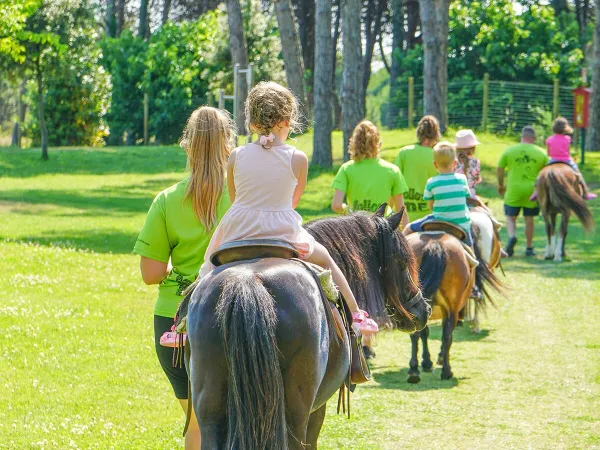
x,y
78,366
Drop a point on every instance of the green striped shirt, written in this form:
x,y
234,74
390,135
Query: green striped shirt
x,y
449,192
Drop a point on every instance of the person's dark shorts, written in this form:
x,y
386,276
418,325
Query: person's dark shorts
x,y
177,375
513,211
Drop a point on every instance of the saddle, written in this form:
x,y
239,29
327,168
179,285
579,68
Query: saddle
x,y
441,226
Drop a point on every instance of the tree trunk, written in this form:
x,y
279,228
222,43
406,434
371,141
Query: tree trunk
x,y
434,21
397,48
353,107
21,108
375,11
560,6
165,12
239,55
41,119
336,106
593,137
305,17
292,56
413,20
120,16
110,21
143,30
324,68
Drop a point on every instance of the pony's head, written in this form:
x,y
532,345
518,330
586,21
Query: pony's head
x,y
378,264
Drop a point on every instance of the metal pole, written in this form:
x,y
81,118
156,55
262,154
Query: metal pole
x,y
555,103
236,69
583,130
486,101
146,118
221,99
411,100
209,99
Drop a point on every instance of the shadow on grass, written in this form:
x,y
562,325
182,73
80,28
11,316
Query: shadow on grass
x,y
460,334
98,241
396,379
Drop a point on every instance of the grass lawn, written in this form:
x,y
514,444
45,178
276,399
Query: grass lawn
x,y
78,363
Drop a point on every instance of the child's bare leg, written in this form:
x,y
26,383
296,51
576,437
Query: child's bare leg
x,y
407,230
321,257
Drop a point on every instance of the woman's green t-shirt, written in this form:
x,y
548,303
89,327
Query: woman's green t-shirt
x,y
416,164
173,231
369,183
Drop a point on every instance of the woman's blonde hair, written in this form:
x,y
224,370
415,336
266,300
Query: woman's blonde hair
x,y
269,103
208,139
428,128
364,142
561,126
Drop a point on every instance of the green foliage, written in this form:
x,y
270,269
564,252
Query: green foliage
x,y
76,87
13,20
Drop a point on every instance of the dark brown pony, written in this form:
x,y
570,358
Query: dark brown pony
x,y
559,192
263,360
447,279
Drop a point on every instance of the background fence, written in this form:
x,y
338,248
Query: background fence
x,y
489,105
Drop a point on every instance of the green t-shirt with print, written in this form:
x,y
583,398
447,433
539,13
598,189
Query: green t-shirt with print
x,y
416,164
523,163
369,183
172,230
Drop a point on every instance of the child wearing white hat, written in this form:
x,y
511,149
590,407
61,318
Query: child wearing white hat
x,y
467,164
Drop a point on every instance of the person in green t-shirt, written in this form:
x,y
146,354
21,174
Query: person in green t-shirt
x,y
416,164
367,181
177,231
523,163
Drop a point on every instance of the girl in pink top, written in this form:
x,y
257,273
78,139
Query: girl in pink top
x,y
266,180
559,150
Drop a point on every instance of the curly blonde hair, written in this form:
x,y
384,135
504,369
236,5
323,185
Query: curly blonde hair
x,y
428,128
268,104
365,141
208,138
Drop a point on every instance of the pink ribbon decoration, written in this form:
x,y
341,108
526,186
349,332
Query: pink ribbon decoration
x,y
264,140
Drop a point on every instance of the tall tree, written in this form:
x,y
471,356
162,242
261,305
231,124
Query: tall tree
x,y
305,17
292,55
434,22
239,55
21,110
413,21
165,12
144,25
324,68
110,20
353,106
593,139
397,43
120,17
373,29
336,105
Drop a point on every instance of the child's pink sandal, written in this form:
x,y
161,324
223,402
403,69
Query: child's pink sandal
x,y
364,323
172,338
590,196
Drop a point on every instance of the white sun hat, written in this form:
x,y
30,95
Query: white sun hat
x,y
466,139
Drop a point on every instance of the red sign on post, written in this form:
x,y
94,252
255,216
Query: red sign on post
x,y
581,110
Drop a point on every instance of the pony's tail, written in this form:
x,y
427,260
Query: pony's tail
x,y
564,197
485,279
255,400
431,271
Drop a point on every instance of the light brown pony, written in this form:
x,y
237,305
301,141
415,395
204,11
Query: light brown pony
x,y
447,279
559,190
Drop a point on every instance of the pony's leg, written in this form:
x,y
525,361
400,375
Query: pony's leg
x,y
562,234
426,363
413,372
551,232
315,422
448,325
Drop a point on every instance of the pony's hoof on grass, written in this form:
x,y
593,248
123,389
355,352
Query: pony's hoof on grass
x,y
476,330
447,375
413,379
558,259
427,367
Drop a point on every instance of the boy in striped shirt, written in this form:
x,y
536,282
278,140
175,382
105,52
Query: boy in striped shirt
x,y
446,193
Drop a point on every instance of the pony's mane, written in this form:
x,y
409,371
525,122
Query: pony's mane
x,y
372,256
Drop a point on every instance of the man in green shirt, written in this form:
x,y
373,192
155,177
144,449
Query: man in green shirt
x,y
523,163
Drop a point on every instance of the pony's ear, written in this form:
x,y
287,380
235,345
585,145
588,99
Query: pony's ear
x,y
395,219
381,210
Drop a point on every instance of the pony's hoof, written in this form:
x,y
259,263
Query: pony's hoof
x,y
447,375
413,379
476,330
558,259
427,367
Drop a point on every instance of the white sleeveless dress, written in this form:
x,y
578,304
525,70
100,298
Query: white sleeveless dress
x,y
264,186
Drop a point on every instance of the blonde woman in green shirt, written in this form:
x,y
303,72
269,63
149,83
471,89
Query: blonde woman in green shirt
x,y
177,231
416,164
367,181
